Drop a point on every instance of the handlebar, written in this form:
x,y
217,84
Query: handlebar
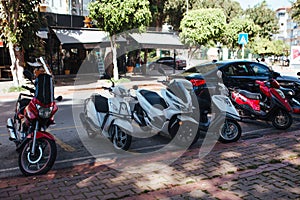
x,y
28,88
107,88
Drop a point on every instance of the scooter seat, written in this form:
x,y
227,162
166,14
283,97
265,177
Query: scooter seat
x,y
250,95
101,103
154,99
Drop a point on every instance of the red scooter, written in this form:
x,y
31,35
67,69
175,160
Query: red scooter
x,y
269,105
33,114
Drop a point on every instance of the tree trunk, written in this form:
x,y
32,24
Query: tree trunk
x,y
17,63
114,52
191,53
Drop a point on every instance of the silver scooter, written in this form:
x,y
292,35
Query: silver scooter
x,y
225,117
167,113
109,116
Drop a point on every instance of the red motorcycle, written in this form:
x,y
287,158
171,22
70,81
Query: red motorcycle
x,y
33,114
269,105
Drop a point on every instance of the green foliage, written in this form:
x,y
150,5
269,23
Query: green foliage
x,y
264,46
175,9
231,8
15,89
265,18
117,16
239,25
201,26
296,11
19,22
157,11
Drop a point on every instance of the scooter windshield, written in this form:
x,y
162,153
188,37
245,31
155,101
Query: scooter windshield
x,y
44,91
179,90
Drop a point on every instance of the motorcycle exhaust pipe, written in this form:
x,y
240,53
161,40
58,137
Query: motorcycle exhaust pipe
x,y
11,129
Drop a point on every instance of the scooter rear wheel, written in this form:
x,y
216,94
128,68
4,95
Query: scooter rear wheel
x,y
230,131
282,120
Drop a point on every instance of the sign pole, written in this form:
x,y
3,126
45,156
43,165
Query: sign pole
x,y
243,51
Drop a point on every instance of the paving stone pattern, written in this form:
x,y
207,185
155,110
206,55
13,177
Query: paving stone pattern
x,y
261,168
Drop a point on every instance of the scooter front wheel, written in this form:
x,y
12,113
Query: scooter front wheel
x,y
120,139
230,131
41,161
282,120
184,134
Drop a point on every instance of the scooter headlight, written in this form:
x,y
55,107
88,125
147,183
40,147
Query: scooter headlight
x,y
280,93
44,112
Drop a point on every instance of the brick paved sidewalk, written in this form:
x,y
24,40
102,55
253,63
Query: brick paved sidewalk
x,y
263,168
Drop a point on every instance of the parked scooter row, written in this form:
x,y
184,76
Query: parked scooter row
x,y
270,104
172,111
160,113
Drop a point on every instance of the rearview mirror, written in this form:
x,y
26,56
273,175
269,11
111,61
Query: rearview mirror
x,y
59,98
298,74
135,87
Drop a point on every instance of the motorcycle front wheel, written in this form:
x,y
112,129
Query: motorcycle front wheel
x,y
41,161
282,120
230,131
120,139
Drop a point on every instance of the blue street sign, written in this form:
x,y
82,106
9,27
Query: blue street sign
x,y
243,38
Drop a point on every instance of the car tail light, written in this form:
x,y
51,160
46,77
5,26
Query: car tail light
x,y
197,82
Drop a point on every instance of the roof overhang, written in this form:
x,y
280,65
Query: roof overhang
x,y
155,40
86,38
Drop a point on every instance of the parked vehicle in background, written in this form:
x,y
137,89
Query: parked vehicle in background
x,y
269,105
169,62
240,74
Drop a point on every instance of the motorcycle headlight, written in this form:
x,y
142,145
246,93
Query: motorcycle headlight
x,y
44,112
280,93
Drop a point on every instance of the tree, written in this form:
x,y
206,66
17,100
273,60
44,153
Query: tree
x,y
231,8
265,18
175,9
117,16
236,26
296,11
270,47
157,11
19,24
199,27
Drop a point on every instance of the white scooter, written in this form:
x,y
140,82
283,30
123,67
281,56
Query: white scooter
x,y
109,116
225,117
168,113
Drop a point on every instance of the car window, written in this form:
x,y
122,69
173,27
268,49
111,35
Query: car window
x,y
260,70
236,70
205,69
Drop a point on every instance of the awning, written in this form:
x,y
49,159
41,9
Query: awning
x,y
161,40
86,38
